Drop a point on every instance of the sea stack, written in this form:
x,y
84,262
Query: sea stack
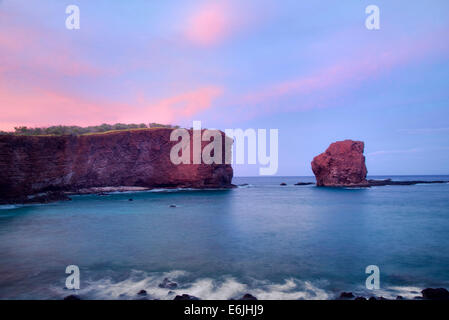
x,y
342,164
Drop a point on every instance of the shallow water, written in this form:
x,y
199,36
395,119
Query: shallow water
x,y
276,242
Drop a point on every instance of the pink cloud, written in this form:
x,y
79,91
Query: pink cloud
x,y
37,64
42,107
321,88
210,24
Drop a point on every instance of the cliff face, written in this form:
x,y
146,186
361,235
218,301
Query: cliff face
x,y
342,164
35,164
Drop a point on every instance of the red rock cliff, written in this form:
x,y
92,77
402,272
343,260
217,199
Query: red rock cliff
x,y
35,164
342,164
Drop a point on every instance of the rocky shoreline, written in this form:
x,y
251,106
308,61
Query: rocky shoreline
x,y
426,294
386,182
54,196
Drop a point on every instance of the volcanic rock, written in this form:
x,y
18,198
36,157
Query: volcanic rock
x,y
168,284
142,293
72,297
56,165
248,296
435,294
346,295
342,164
186,297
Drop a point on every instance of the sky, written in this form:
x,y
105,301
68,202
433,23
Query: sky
x,y
310,69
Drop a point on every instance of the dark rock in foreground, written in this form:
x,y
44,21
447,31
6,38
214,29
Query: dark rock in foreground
x,y
168,284
248,296
283,184
435,294
72,297
186,297
346,295
142,293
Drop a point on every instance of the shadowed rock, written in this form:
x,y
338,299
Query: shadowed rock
x,y
142,293
303,183
248,296
186,297
72,297
435,294
168,284
346,295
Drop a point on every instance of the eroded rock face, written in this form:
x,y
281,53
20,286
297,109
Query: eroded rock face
x,y
342,164
31,165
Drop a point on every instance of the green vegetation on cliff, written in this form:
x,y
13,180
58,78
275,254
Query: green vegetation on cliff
x,y
77,130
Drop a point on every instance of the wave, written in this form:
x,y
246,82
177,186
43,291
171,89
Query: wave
x,y
245,185
224,288
9,206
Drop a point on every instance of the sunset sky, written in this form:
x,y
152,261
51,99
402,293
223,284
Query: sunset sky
x,y
308,68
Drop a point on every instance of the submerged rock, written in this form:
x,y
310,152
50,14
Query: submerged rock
x,y
283,184
342,164
142,293
168,284
303,183
173,206
186,297
435,294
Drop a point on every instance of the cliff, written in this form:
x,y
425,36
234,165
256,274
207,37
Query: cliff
x,y
31,165
342,164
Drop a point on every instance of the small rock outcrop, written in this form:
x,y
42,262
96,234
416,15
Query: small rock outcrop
x,y
186,297
346,295
435,294
248,297
142,293
342,164
72,297
168,284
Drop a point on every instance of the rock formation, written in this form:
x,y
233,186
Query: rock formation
x,y
342,164
37,165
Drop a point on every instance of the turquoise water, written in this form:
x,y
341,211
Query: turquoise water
x,y
275,242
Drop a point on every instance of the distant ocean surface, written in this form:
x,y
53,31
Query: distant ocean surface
x,y
275,242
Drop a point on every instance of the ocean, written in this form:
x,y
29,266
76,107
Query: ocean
x,y
275,242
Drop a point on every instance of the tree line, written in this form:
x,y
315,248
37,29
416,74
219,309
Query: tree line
x,y
77,130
